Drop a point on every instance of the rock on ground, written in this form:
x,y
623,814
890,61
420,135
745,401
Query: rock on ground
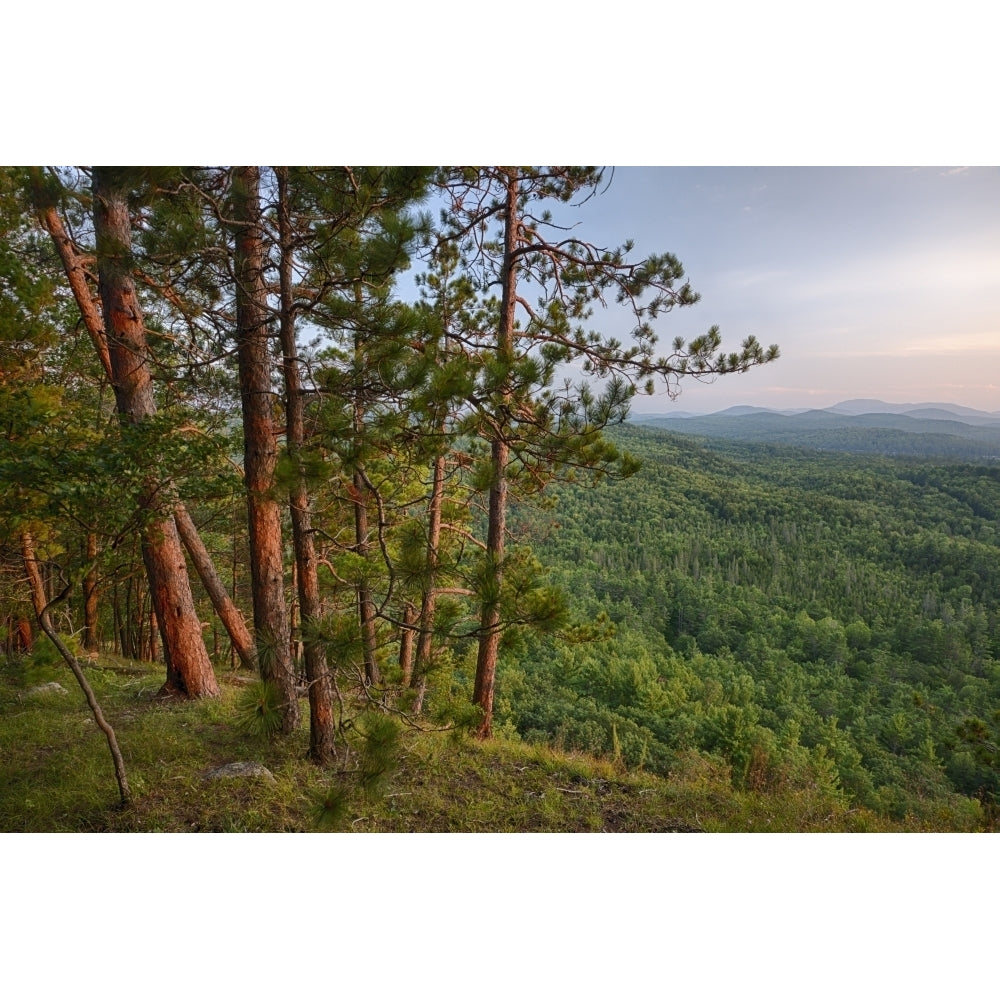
x,y
53,687
240,769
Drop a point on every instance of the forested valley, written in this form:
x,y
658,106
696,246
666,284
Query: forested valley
x,y
783,611
261,499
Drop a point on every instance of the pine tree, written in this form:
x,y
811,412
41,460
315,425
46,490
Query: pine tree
x,y
47,191
353,235
260,441
508,241
307,579
341,235
189,670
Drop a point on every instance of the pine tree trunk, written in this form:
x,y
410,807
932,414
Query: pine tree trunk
x,y
227,611
428,603
489,622
407,641
321,743
366,606
77,277
189,670
359,494
73,266
260,451
90,638
153,648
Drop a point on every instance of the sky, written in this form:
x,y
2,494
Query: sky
x,y
875,282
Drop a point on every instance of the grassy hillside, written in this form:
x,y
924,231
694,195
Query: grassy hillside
x,y
56,775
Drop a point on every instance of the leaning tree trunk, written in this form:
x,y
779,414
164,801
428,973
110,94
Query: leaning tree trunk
x,y
74,267
260,449
42,607
189,670
317,671
76,275
226,609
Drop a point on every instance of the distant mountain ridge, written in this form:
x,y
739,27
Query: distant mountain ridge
x,y
860,406
946,430
849,407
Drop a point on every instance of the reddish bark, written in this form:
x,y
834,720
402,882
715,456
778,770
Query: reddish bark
x,y
153,648
227,611
260,450
75,267
307,579
90,640
189,670
23,640
76,274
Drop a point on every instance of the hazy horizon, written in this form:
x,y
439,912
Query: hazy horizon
x,y
675,407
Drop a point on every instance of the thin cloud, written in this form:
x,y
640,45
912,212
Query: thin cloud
x,y
985,342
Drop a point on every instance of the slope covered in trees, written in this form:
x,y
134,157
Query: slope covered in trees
x,y
782,610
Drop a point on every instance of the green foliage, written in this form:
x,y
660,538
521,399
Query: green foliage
x,y
378,757
259,709
332,809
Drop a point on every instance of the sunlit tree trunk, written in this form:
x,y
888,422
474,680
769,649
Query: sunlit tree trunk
x,y
76,275
226,609
260,446
307,578
74,267
189,670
